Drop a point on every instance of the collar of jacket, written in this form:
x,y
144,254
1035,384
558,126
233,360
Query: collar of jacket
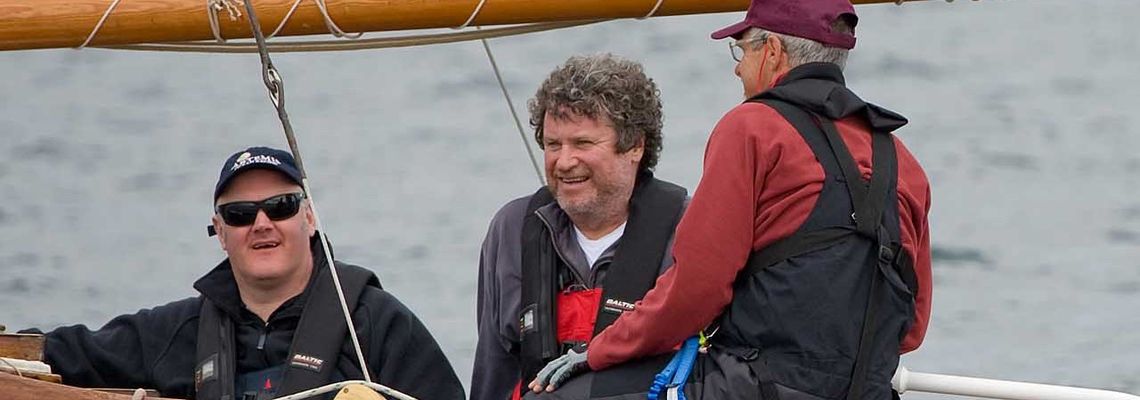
x,y
563,229
220,287
820,88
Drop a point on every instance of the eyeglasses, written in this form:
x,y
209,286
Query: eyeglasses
x,y
277,208
736,47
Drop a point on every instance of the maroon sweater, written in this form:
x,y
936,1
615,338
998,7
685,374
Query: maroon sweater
x,y
760,182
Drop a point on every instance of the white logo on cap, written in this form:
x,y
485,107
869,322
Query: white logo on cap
x,y
246,159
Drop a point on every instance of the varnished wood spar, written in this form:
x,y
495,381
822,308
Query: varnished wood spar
x,y
13,387
37,24
53,378
24,347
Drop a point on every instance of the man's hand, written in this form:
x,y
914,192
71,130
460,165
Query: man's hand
x,y
560,370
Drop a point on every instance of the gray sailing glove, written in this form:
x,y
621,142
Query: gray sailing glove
x,y
559,371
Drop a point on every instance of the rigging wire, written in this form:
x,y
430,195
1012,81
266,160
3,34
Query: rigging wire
x,y
515,115
506,93
276,88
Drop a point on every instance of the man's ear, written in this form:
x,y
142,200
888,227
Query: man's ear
x,y
779,53
637,151
310,219
217,221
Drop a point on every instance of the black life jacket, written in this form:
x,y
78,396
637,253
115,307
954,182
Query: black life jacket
x,y
655,208
823,311
316,346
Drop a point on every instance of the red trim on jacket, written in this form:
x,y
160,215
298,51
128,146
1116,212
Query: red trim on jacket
x,y
577,313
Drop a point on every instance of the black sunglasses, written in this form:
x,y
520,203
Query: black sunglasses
x,y
277,208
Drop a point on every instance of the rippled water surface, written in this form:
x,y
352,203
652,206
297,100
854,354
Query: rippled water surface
x,y
1023,113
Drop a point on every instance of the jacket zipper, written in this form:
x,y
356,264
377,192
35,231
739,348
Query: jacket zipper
x,y
554,243
264,335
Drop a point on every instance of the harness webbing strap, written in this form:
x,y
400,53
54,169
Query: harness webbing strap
x,y
868,203
536,322
321,333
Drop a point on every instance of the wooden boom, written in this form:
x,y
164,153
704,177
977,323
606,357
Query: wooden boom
x,y
39,24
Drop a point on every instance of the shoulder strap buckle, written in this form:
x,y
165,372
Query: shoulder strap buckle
x,y
886,254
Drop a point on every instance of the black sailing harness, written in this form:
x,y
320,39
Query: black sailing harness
x,y
788,352
316,345
655,209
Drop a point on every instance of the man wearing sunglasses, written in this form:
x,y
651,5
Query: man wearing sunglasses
x,y
268,322
805,251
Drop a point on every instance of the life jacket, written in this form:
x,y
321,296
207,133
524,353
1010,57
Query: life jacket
x,y
313,354
821,314
556,315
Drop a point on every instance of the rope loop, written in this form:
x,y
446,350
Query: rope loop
x,y
14,368
99,25
213,7
475,13
654,10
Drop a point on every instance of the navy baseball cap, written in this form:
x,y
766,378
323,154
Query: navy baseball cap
x,y
257,158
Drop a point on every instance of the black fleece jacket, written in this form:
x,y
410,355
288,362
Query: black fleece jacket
x,y
156,348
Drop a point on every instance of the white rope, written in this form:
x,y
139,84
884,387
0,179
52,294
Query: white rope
x,y
387,391
285,19
654,10
216,5
342,45
212,9
478,8
515,115
276,89
336,278
99,25
16,370
333,28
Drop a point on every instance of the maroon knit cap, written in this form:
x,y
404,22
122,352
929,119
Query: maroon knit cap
x,y
808,19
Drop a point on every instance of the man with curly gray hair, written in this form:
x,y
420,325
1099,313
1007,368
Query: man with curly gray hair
x,y
560,265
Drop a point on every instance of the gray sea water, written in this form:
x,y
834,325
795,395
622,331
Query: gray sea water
x,y
1022,112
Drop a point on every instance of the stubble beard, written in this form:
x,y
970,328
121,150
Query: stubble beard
x,y
608,205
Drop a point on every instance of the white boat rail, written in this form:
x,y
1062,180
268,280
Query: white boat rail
x,y
905,380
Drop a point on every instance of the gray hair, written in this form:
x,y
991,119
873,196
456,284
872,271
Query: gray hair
x,y
802,51
598,85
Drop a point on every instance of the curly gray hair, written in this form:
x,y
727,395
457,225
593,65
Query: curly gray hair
x,y
603,85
